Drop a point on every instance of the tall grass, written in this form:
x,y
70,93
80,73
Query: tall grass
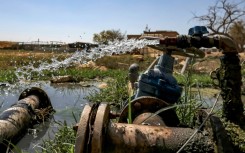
x,y
115,93
63,141
189,102
203,80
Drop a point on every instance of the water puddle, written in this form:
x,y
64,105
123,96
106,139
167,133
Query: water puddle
x,y
67,99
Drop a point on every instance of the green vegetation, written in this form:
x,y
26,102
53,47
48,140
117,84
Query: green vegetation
x,y
22,58
189,102
106,36
116,92
79,74
203,80
10,60
63,141
236,134
7,76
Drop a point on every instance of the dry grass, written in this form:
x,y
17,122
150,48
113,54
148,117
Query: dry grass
x,y
9,59
6,44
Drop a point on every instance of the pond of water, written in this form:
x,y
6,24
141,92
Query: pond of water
x,y
67,100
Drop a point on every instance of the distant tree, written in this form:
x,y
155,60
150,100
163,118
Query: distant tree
x,y
106,36
222,15
237,32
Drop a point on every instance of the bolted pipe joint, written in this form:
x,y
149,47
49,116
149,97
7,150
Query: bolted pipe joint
x,y
97,134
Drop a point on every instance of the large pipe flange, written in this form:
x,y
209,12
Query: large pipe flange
x,y
82,131
91,128
100,124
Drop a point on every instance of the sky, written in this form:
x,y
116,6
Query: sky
x,y
77,20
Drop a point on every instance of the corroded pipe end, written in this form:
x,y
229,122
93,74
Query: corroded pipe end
x,y
227,44
44,100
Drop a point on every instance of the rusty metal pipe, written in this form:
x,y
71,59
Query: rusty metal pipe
x,y
15,120
185,41
144,139
96,134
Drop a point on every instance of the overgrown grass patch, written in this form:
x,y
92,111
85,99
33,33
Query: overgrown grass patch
x,y
79,74
203,80
8,76
115,93
63,141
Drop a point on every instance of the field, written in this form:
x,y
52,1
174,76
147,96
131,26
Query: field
x,y
115,67
6,44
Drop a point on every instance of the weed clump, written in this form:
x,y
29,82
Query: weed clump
x,y
236,135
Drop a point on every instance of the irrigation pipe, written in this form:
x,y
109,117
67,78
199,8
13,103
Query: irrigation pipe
x,y
209,114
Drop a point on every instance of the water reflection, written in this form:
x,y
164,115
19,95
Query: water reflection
x,y
61,95
67,99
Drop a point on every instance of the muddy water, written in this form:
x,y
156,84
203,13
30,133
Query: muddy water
x,y
67,99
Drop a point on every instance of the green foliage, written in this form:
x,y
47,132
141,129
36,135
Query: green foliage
x,y
190,101
106,36
236,134
203,80
115,93
7,76
80,74
63,141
